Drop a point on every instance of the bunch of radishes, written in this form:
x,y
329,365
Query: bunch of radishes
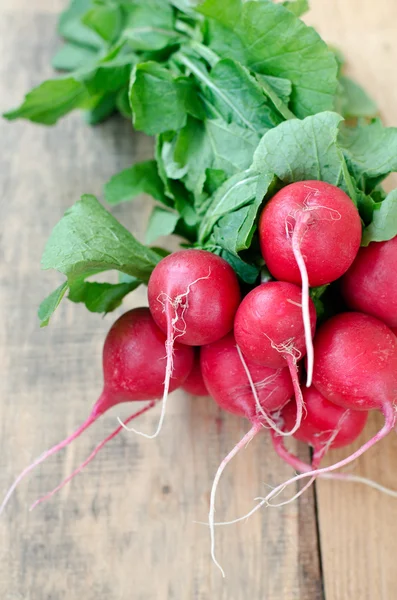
x,y
248,353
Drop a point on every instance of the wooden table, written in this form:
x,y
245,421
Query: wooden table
x,y
125,529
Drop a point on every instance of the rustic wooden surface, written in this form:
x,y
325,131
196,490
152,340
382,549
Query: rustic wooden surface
x,y
125,529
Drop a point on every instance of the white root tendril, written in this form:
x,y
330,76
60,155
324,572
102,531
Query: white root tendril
x,y
326,472
211,515
296,232
254,386
179,304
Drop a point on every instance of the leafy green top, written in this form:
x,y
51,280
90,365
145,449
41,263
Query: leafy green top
x,y
242,98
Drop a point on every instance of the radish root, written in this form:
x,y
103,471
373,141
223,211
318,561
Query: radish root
x,y
258,405
174,331
211,515
92,455
91,419
326,472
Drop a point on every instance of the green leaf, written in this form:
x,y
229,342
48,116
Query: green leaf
x,y
280,86
193,153
248,273
297,7
238,191
226,12
101,297
141,178
268,87
384,223
72,29
105,20
88,240
214,179
123,103
233,146
150,25
156,101
191,98
236,95
270,40
104,107
51,100
110,73
161,222
71,57
51,303
298,150
353,101
371,152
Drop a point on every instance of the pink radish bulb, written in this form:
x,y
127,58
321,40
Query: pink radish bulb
x,y
324,426
133,369
269,330
226,380
194,384
355,367
356,362
196,294
324,423
309,233
231,382
370,285
193,297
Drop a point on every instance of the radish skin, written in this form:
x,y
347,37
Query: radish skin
x,y
310,233
178,292
370,285
269,330
194,384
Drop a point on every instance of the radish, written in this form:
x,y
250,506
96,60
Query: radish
x,y
324,426
194,384
355,367
133,369
269,330
193,297
229,383
370,285
309,233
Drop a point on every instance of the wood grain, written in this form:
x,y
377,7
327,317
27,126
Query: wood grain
x,y
126,528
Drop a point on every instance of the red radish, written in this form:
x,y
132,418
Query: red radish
x,y
133,369
193,297
370,285
194,384
229,383
269,330
356,368
324,426
196,294
310,233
